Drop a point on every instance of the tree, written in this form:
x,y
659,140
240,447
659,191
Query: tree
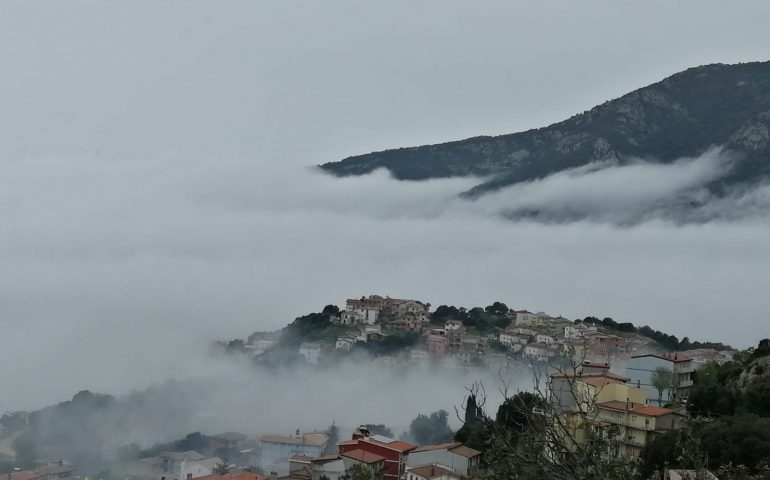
x,y
331,310
379,429
474,414
737,440
357,472
444,313
756,397
514,414
661,379
235,346
192,441
535,436
497,308
713,392
431,429
222,468
762,350
333,438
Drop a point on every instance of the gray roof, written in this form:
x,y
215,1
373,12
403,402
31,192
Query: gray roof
x,y
230,436
190,455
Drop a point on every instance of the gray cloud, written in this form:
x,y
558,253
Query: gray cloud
x,y
120,273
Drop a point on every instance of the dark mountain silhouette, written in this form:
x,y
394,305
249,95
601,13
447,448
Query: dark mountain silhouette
x,y
681,116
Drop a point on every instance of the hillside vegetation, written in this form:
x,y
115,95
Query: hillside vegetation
x,y
681,116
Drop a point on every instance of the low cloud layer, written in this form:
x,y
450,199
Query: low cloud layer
x,y
119,273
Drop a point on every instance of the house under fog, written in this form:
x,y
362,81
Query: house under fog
x,y
276,449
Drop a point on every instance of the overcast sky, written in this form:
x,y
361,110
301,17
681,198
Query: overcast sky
x,y
154,190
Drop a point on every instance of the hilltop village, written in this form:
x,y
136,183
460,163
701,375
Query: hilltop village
x,y
397,331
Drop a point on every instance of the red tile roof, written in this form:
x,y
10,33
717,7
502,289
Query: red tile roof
x,y
645,410
432,471
398,445
363,456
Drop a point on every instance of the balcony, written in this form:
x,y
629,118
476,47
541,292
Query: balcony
x,y
633,442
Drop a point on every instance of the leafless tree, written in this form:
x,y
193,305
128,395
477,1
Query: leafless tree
x,y
551,432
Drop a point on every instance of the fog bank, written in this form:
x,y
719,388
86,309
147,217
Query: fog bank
x,y
118,273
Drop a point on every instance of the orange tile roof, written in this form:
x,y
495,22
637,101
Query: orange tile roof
x,y
464,451
671,357
645,410
398,445
363,456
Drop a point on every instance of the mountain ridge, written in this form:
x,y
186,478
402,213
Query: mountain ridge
x,y
682,115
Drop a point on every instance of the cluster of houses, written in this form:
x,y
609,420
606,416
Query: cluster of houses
x,y
50,471
632,404
194,464
384,458
609,400
540,337
528,338
309,456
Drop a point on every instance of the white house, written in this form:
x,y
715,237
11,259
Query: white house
x,y
344,343
538,353
199,468
525,318
455,456
367,311
506,339
452,325
311,351
412,307
571,333
431,472
276,449
544,339
360,316
641,368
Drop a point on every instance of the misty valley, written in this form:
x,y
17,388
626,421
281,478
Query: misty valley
x,y
435,240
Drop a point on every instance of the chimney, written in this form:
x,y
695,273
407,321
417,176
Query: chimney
x,y
273,475
189,476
